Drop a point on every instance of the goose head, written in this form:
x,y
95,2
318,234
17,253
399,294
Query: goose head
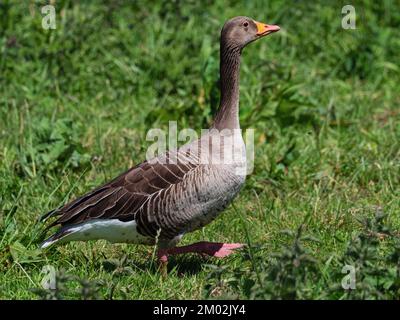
x,y
240,31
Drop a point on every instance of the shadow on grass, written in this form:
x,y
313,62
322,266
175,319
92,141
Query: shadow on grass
x,y
183,265
188,265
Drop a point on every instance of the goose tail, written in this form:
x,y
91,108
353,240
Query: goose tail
x,y
59,235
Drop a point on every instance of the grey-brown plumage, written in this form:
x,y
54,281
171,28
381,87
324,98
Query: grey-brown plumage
x,y
162,199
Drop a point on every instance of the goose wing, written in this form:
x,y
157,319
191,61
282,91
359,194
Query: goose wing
x,y
123,197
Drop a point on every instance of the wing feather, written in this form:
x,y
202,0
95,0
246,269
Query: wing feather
x,y
127,196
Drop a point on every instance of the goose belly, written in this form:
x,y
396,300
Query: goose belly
x,y
112,230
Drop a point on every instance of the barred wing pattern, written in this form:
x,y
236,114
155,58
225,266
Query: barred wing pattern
x,y
137,194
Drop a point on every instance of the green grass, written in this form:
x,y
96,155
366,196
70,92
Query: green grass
x,y
76,104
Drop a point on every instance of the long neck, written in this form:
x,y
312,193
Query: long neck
x,y
227,116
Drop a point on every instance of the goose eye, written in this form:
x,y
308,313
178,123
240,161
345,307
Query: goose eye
x,y
245,24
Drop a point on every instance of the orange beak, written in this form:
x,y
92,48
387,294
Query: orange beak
x,y
265,29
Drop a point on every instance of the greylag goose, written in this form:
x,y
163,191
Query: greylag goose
x,y
161,199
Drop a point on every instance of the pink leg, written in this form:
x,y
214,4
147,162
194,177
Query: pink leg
x,y
162,255
214,249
